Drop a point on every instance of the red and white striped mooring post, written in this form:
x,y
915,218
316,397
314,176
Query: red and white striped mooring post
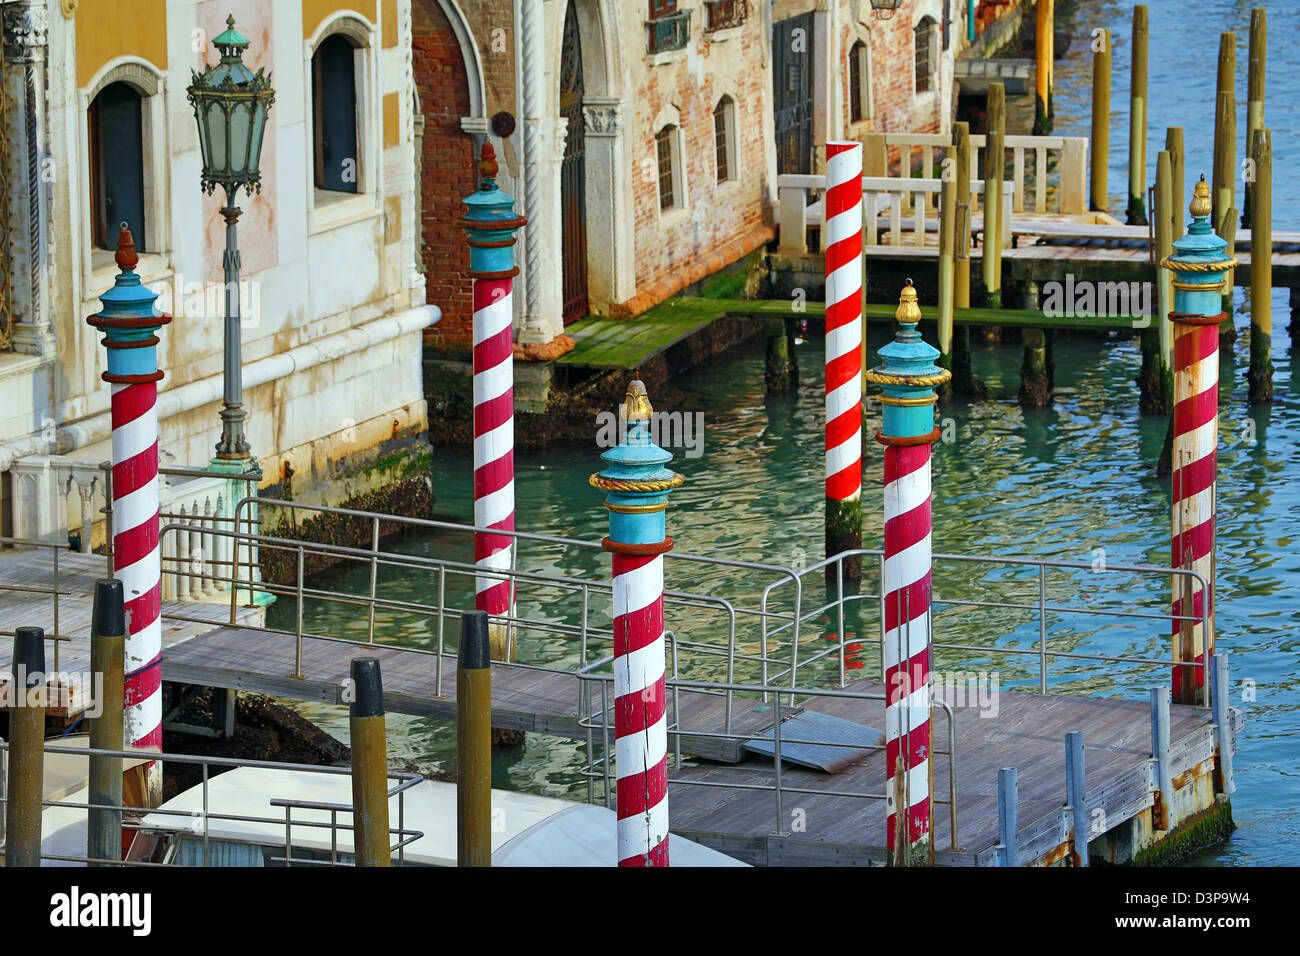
x,y
491,223
1200,266
908,379
636,483
843,224
129,322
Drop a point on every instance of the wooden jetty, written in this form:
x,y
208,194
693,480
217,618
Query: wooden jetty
x,y
707,792
27,598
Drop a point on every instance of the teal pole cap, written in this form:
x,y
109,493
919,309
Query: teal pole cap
x,y
129,312
908,356
1199,249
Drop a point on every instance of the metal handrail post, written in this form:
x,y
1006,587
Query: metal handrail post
x,y
1042,629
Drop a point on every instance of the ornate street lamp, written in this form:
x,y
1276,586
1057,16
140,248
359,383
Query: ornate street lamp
x,y
884,8
230,105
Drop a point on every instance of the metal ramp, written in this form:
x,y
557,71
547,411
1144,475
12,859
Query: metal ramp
x,y
858,742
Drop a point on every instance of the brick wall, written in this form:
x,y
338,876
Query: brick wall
x,y
715,213
448,170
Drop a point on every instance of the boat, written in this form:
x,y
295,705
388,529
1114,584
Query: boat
x,y
262,816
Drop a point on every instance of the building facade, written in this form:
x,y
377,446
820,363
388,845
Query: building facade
x,y
98,131
644,137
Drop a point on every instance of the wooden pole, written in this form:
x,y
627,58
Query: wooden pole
x,y
1100,142
963,380
369,765
843,216
1137,121
994,161
1224,169
947,242
1260,375
908,377
1043,54
1255,74
107,646
1155,381
1200,263
474,742
961,264
1177,192
636,483
26,750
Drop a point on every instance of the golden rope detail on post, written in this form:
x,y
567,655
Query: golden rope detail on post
x,y
614,484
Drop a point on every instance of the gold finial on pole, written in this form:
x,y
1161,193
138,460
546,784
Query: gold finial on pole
x,y
909,311
1200,205
637,403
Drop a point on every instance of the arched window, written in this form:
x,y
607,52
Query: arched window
x,y
116,139
925,54
669,179
724,138
859,82
334,68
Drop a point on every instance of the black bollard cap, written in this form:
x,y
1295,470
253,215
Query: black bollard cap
x,y
29,653
367,687
475,650
108,618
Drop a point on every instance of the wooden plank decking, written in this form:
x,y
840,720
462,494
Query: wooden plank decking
x,y
1028,731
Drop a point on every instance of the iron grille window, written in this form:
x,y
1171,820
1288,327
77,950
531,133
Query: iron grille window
x,y
722,137
667,32
856,112
924,36
721,14
664,151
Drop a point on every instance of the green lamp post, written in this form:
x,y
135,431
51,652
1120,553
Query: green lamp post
x,y
230,105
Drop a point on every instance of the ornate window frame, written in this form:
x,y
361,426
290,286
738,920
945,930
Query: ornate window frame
x,y
97,265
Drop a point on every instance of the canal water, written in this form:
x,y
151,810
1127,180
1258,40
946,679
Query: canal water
x,y
1072,482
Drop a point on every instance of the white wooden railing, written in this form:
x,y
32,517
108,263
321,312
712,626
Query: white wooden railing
x,y
1069,174
886,200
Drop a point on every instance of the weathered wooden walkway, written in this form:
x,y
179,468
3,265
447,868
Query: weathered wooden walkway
x,y
1027,731
26,580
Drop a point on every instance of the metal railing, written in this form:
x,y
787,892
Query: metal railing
x,y
54,590
205,816
777,788
749,638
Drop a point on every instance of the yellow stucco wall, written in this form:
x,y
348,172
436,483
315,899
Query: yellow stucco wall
x,y
314,11
390,23
107,30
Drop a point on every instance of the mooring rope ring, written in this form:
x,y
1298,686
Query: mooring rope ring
x,y
645,487
914,381
906,440
1179,265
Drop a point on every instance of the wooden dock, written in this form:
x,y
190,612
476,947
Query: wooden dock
x,y
1027,731
26,580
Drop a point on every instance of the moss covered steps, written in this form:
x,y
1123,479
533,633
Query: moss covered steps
x,y
628,343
